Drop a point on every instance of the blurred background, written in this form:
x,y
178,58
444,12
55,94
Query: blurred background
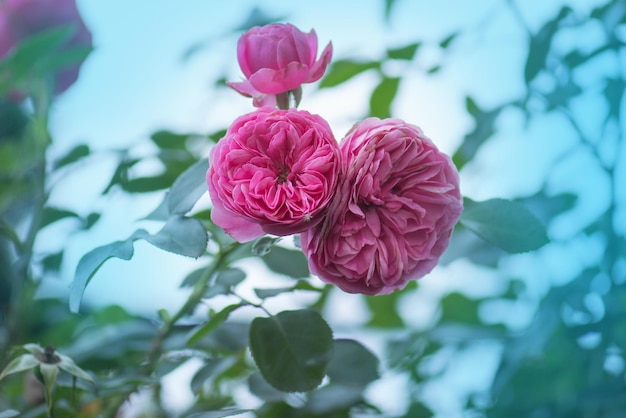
x,y
525,95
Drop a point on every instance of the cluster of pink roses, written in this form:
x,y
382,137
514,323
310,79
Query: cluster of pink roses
x,y
373,211
20,19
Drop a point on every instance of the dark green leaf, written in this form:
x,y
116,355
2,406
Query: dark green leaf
x,y
51,215
292,349
383,96
384,311
199,333
388,8
434,69
91,262
53,261
180,235
504,223
540,43
90,220
483,130
352,364
404,53
341,71
448,40
418,410
456,307
169,140
231,277
291,263
75,154
192,278
333,398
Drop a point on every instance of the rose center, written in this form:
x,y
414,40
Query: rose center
x,y
282,175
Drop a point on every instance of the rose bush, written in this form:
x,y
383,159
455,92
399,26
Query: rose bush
x,y
278,58
20,19
274,172
393,214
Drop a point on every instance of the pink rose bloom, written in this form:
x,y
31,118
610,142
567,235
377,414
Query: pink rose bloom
x,y
393,214
274,172
20,19
278,58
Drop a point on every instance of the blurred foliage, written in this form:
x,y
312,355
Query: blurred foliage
x,y
568,361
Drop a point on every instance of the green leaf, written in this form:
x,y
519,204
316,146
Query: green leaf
x,y
264,245
20,364
91,262
169,140
352,364
504,223
188,188
445,43
180,235
69,366
291,263
51,215
540,44
9,413
301,285
292,349
384,311
457,307
484,128
228,412
198,333
404,53
75,154
388,8
263,390
224,282
50,372
383,96
341,71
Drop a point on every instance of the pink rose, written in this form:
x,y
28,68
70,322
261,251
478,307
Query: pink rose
x,y
393,214
274,172
20,19
278,58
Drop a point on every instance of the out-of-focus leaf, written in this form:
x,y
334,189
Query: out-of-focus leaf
x,y
540,45
9,413
224,282
228,412
75,154
546,207
445,43
332,398
341,71
19,364
52,262
263,390
90,220
466,244
292,349
212,323
562,94
91,262
404,53
352,364
434,69
389,4
483,130
51,215
504,223
291,263
169,140
456,307
614,94
383,96
418,410
384,309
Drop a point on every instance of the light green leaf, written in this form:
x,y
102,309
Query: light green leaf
x,y
180,235
292,349
9,413
341,71
19,364
91,262
188,188
49,373
301,285
504,223
383,96
69,366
